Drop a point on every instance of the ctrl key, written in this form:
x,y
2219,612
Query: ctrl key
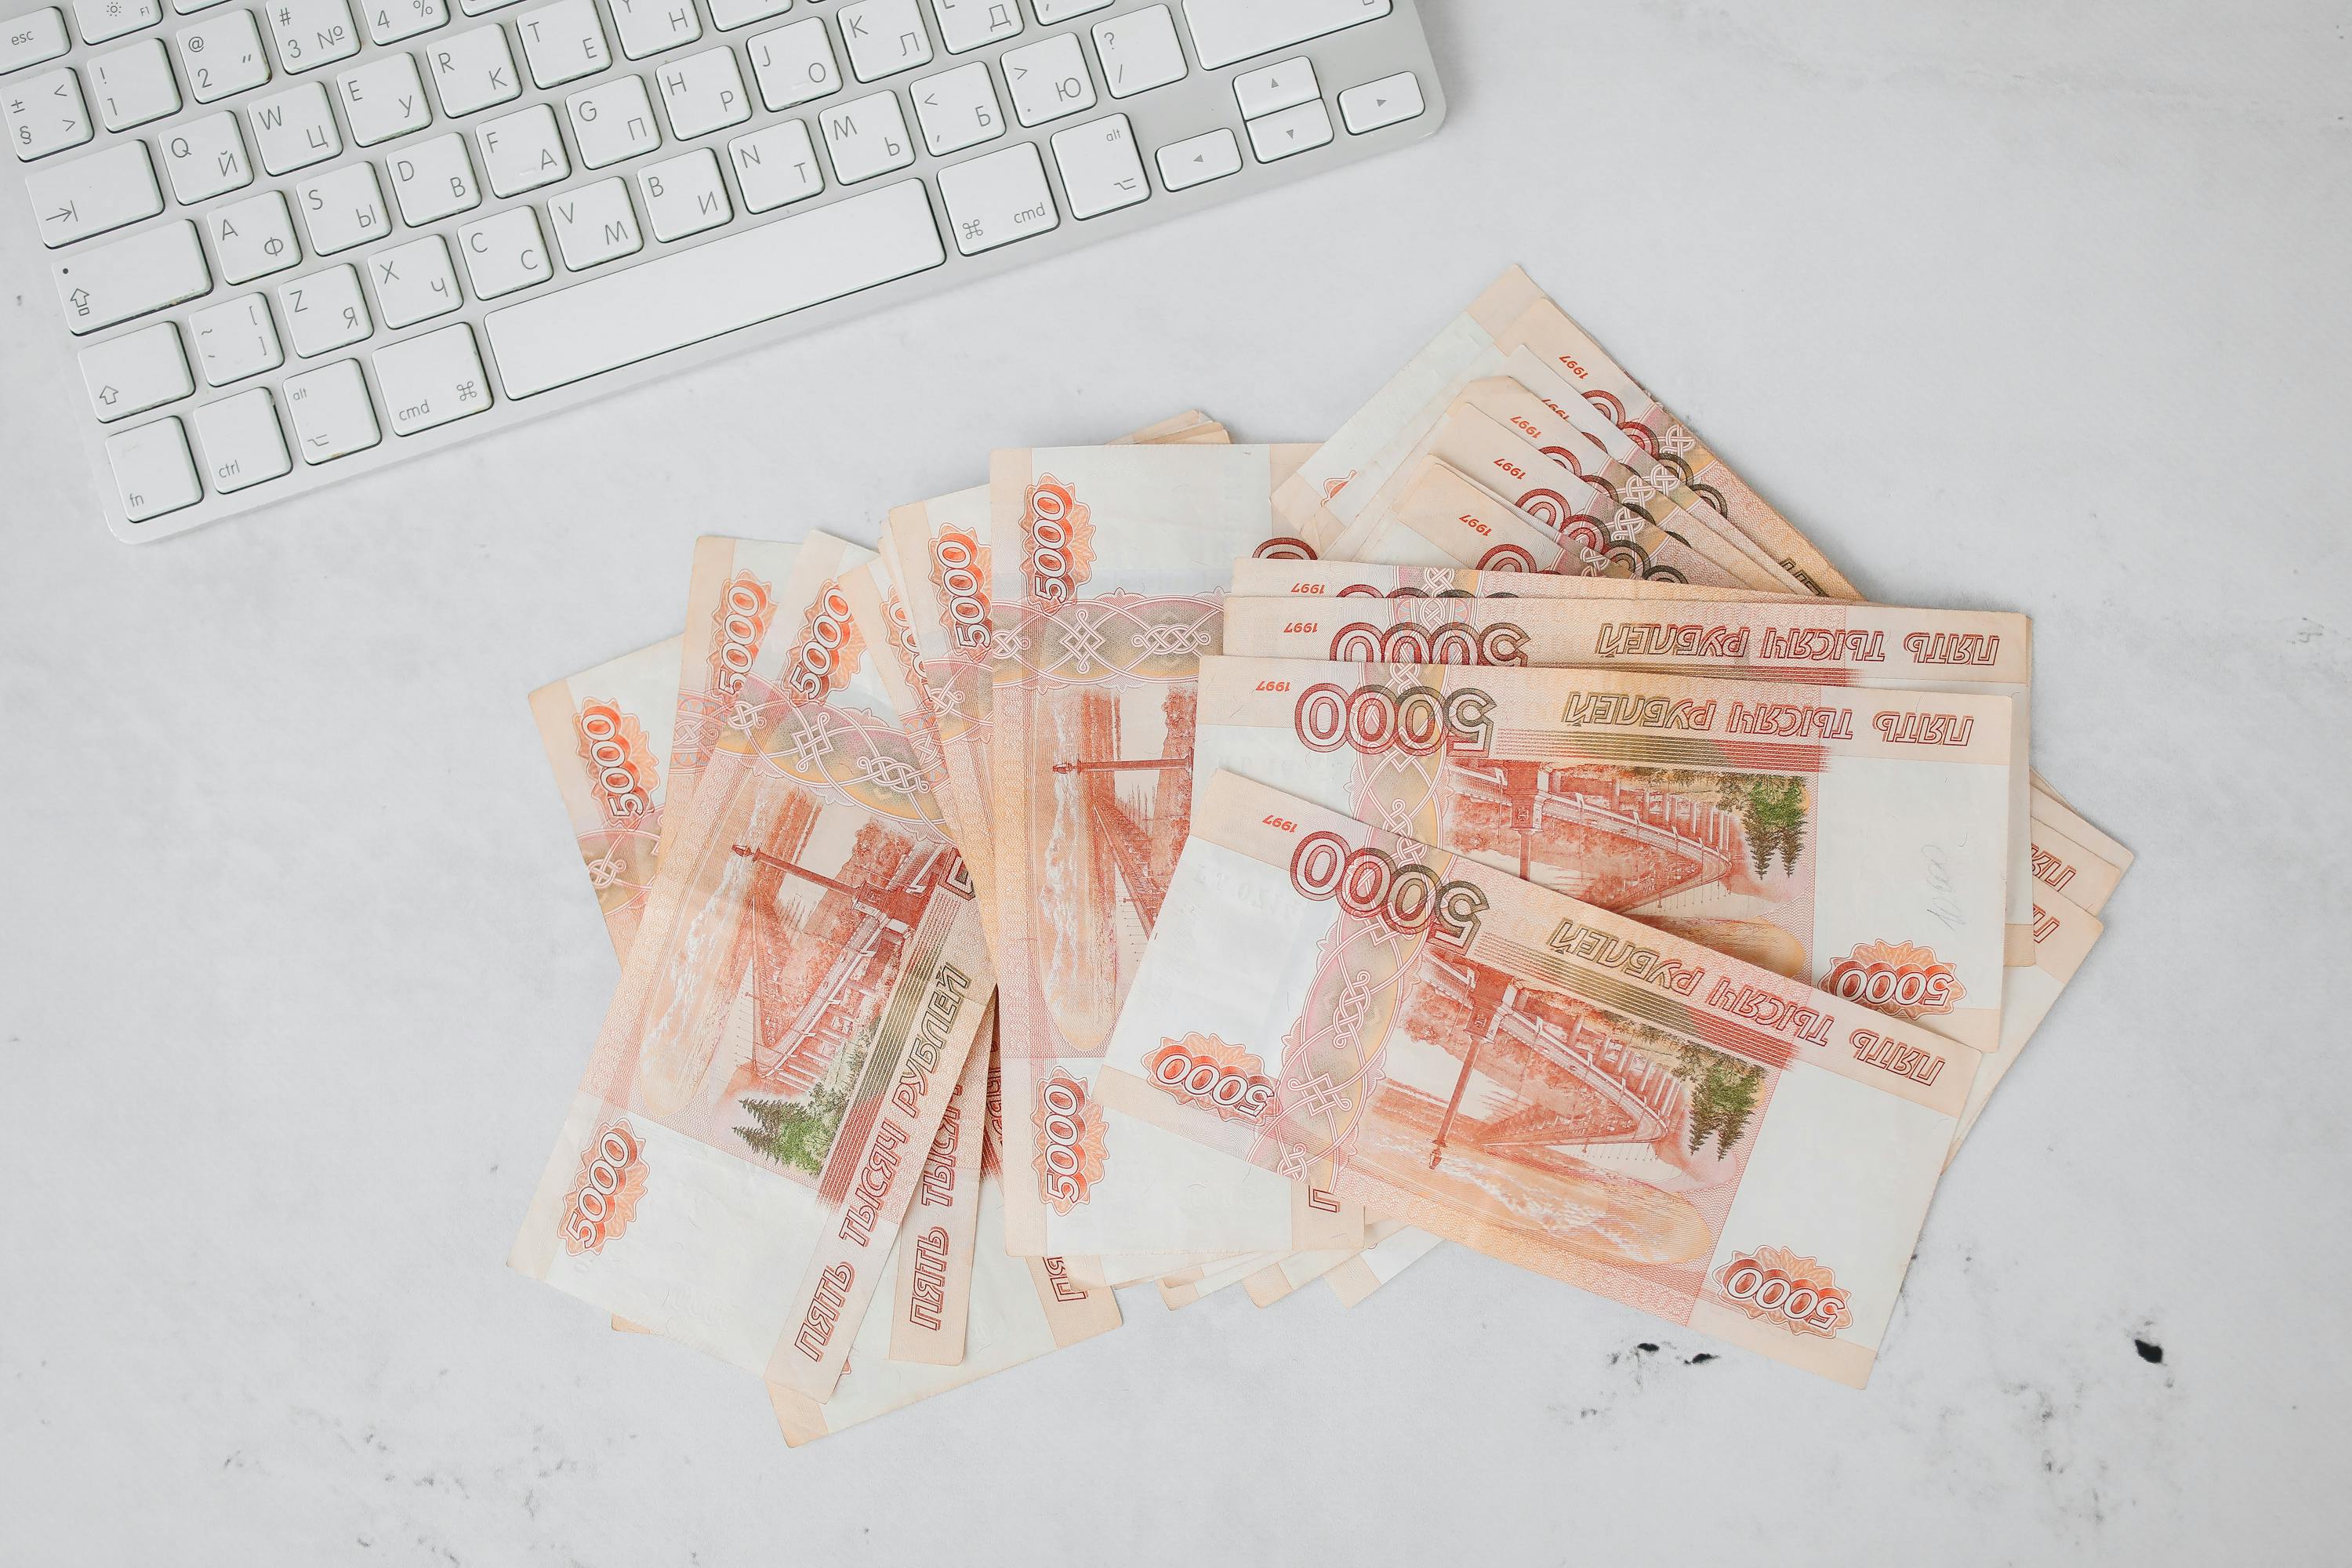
x,y
152,469
431,380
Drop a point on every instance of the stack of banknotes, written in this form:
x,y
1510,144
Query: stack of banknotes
x,y
1184,863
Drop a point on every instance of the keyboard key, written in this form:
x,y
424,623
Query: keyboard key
x,y
968,23
1049,80
46,114
294,128
1101,171
413,283
866,137
703,93
102,19
1051,11
522,151
254,237
1294,131
243,445
133,85
206,157
130,374
342,208
312,33
1376,105
505,253
611,120
998,199
1138,51
480,8
775,166
153,471
29,39
474,71
649,27
90,196
885,37
1277,88
595,224
235,339
958,109
332,415
125,278
564,42
708,289
221,55
1197,160
325,311
391,21
729,13
432,180
683,195
431,380
383,99
794,65
1225,31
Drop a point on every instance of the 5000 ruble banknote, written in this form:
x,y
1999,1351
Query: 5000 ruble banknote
x,y
1566,1088
806,982
1855,838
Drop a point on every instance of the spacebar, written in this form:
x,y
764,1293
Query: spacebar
x,y
723,287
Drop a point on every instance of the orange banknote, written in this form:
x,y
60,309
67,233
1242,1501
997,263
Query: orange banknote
x,y
1854,837
1815,641
1109,568
796,1010
1610,531
1332,488
1568,1090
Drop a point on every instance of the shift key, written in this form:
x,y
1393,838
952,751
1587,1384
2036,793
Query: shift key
x,y
110,283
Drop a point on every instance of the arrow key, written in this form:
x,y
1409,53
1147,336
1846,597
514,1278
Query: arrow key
x,y
1290,132
1377,105
136,371
1197,160
92,194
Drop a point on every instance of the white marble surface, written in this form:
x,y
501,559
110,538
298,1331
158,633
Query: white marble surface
x,y
2011,304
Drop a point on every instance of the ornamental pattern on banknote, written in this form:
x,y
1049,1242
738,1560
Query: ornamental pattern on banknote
x,y
1108,694
1899,978
1069,1143
625,779
612,1182
1773,1285
728,696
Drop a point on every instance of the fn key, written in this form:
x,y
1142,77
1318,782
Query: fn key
x,y
432,380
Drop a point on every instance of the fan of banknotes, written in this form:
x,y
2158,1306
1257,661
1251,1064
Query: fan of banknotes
x,y
1206,864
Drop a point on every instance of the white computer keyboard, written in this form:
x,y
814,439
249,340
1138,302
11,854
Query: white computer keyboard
x,y
299,240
